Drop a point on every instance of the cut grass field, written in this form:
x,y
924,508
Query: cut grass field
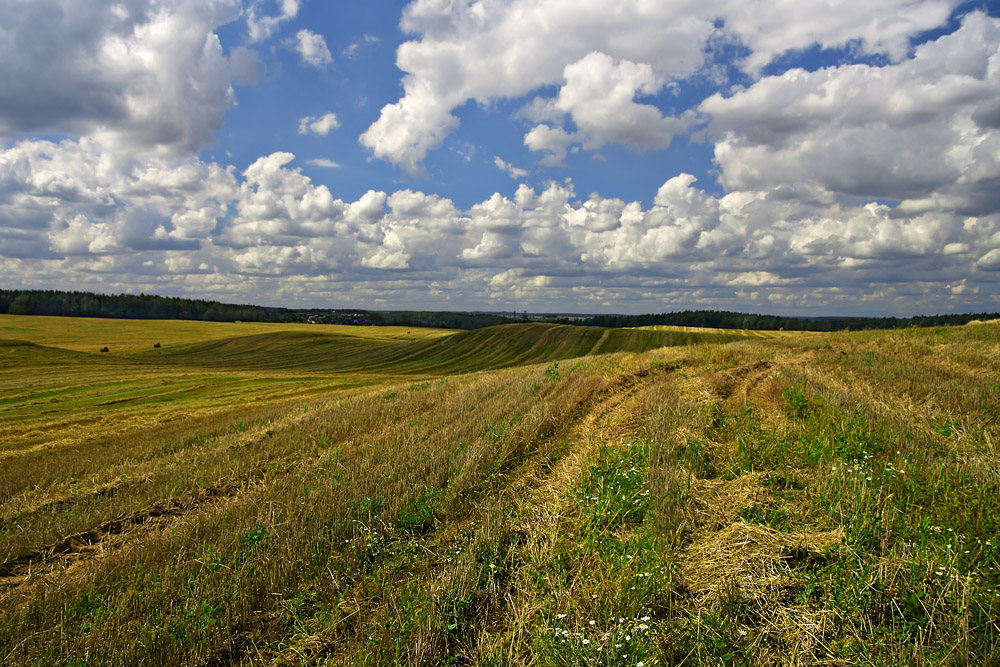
x,y
520,495
742,332
87,334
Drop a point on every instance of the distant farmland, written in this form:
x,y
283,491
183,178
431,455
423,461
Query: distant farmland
x,y
527,494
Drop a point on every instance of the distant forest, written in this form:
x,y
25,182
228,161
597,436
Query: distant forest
x,y
140,307
152,307
148,306
721,319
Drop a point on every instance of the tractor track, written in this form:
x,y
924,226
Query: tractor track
x,y
73,549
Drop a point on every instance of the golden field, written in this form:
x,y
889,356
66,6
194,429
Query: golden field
x,y
532,494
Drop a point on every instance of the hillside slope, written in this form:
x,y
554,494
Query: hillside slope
x,y
488,348
824,499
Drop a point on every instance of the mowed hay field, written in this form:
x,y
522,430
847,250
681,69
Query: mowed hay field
x,y
519,495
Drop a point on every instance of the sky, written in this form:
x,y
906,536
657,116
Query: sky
x,y
793,157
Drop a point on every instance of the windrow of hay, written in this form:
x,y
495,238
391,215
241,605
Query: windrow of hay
x,y
752,569
738,380
716,503
757,560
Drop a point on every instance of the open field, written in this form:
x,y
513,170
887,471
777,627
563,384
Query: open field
x,y
86,334
741,332
519,495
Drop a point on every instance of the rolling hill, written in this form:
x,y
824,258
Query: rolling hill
x,y
516,495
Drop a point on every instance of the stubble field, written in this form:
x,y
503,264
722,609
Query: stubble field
x,y
521,495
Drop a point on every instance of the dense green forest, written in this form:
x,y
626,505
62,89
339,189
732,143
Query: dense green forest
x,y
407,318
148,306
721,319
152,307
141,307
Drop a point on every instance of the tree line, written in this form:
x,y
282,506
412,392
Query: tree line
x,y
722,319
149,306
152,307
132,306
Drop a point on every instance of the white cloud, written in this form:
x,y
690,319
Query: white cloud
x,y
420,233
277,204
485,51
508,168
902,132
312,49
407,130
881,26
990,261
148,74
599,95
261,25
320,125
554,141
367,210
81,235
324,162
75,210
77,197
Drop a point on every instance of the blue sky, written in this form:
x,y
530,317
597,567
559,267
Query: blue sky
x,y
560,155
363,77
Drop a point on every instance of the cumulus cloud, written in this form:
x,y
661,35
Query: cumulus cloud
x,y
599,96
324,162
312,49
407,130
744,239
553,141
76,197
917,131
81,235
277,203
484,51
148,74
420,233
878,27
186,225
321,125
990,261
801,157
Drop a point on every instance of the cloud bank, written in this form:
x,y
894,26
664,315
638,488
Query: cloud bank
x,y
184,223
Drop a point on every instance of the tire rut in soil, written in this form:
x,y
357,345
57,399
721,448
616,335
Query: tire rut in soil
x,y
536,475
89,543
